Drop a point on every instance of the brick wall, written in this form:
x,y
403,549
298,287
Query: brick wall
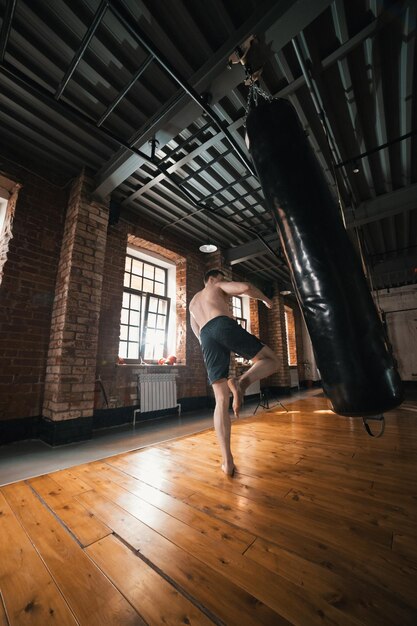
x,y
82,286
27,293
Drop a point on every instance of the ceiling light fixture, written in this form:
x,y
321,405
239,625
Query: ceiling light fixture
x,y
208,247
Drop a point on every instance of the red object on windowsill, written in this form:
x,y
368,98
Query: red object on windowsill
x,y
171,360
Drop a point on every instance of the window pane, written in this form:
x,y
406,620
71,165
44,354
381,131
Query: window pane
x,y
136,283
134,334
163,307
128,263
149,271
153,304
148,285
160,337
125,316
151,320
135,302
126,280
123,332
125,300
160,275
134,318
123,349
161,322
133,351
159,289
137,267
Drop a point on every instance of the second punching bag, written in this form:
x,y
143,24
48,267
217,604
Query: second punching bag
x,y
355,363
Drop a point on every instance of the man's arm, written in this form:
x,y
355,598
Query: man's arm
x,y
234,288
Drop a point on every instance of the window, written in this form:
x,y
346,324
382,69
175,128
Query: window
x,y
3,211
145,310
291,340
9,191
237,304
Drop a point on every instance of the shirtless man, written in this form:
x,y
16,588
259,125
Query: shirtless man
x,y
219,335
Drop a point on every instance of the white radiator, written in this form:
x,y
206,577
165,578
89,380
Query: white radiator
x,y
157,392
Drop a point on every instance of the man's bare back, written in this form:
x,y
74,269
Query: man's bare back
x,y
213,300
210,302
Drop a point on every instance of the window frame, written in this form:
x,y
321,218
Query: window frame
x,y
239,309
145,298
145,326
291,338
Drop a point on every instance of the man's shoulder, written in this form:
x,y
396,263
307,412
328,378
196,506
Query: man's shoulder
x,y
195,298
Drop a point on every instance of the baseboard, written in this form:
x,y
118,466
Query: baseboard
x,y
19,429
195,403
65,431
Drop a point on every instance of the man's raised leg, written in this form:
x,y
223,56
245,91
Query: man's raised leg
x,y
265,363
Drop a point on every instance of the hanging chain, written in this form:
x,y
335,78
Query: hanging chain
x,y
255,90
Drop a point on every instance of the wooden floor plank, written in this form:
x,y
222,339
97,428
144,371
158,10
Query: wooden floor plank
x,y
29,593
85,526
223,599
3,617
90,595
360,507
316,528
273,591
356,595
102,474
406,545
152,596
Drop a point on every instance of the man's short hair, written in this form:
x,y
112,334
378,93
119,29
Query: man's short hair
x,y
215,272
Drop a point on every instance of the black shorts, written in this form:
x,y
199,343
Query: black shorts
x,y
221,336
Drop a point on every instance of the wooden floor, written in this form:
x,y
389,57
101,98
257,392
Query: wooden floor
x,y
319,526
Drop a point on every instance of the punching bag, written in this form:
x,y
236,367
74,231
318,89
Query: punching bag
x,y
349,342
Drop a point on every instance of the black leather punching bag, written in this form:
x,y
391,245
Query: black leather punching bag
x,y
349,342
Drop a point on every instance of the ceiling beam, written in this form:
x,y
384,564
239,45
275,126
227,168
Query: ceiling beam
x,y
383,206
250,250
213,77
340,52
399,271
406,72
406,262
342,33
6,27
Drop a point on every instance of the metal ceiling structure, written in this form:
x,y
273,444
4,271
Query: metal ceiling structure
x,y
139,92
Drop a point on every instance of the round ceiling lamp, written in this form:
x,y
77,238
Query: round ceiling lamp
x,y
208,247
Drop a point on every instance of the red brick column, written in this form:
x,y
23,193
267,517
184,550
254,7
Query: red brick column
x,y
71,364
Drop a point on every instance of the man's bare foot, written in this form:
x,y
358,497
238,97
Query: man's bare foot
x,y
229,470
237,393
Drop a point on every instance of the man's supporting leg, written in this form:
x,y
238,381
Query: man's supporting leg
x,y
222,424
265,363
